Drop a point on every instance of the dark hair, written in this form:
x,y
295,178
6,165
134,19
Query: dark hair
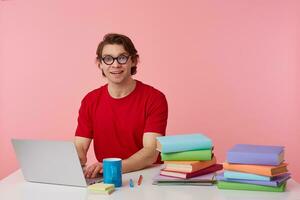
x,y
114,38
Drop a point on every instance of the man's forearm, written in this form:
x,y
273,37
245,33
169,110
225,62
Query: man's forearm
x,y
82,155
141,159
82,146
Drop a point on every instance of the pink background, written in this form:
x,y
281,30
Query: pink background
x,y
229,69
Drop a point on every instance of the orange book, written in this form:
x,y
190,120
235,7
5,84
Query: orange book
x,y
265,170
188,166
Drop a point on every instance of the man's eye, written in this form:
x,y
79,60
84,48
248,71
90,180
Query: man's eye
x,y
108,58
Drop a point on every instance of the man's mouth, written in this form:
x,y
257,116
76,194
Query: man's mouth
x,y
117,72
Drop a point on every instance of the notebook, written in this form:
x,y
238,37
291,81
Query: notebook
x,y
207,179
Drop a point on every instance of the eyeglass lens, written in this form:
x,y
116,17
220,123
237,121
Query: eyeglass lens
x,y
109,60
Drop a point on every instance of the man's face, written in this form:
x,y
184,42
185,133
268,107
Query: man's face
x,y
116,64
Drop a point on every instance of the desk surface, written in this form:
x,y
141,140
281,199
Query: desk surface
x,y
14,187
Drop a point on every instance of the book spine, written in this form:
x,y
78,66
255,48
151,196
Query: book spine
x,y
252,158
266,183
188,155
186,146
247,169
245,176
252,187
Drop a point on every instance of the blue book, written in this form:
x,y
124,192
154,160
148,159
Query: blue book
x,y
256,154
186,142
276,181
245,176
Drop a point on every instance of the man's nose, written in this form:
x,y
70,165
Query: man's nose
x,y
115,63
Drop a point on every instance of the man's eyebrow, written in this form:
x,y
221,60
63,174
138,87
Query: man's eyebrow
x,y
124,53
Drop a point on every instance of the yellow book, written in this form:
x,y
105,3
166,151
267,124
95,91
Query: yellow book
x,y
102,188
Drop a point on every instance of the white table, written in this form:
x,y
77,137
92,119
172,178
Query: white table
x,y
14,187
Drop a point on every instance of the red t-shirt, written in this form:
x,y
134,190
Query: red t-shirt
x,y
118,125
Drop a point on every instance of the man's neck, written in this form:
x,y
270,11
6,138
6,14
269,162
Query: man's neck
x,y
121,90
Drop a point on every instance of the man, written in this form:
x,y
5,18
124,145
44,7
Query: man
x,y
123,117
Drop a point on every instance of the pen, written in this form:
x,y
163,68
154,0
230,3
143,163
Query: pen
x,y
131,183
140,180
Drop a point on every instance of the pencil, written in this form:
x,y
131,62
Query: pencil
x,y
131,183
140,180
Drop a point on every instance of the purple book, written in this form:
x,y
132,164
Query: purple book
x,y
255,154
276,181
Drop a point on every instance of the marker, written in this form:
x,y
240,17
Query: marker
x,y
131,183
140,180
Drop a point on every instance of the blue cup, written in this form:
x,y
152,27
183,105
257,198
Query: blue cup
x,y
112,171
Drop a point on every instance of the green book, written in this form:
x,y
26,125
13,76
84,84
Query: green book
x,y
204,154
252,187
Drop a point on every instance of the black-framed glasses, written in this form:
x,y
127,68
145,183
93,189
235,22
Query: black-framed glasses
x,y
109,60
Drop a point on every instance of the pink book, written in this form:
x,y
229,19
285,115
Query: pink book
x,y
183,175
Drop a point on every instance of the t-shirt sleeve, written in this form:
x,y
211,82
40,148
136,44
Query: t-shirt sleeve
x,y
157,114
84,126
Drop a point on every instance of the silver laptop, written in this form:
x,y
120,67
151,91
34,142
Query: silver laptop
x,y
54,162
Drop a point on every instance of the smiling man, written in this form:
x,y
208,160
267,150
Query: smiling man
x,y
123,117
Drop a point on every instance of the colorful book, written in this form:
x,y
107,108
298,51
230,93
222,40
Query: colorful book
x,y
205,154
189,166
256,154
245,176
264,170
182,183
208,179
183,175
246,186
102,188
186,142
276,181
204,178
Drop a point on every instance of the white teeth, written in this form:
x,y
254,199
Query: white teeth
x,y
116,72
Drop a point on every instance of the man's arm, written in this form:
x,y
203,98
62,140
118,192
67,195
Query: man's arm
x,y
82,145
144,157
141,159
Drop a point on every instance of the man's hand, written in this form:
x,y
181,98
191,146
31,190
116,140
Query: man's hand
x,y
93,170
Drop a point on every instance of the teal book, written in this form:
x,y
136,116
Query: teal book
x,y
246,186
185,142
205,154
245,176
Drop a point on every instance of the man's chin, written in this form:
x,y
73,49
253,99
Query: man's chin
x,y
118,81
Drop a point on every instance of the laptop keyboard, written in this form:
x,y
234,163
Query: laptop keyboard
x,y
91,181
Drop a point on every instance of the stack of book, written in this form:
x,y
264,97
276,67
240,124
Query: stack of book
x,y
254,167
186,156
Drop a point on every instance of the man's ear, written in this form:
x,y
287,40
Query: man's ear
x,y
98,63
135,60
